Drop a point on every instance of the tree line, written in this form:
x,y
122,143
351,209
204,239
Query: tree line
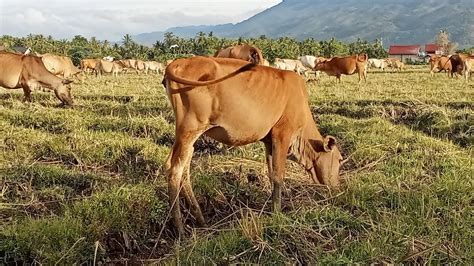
x,y
173,46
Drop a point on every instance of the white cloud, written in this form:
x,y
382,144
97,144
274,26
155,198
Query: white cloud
x,y
111,19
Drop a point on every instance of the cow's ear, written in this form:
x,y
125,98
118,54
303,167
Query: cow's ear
x,y
329,143
67,81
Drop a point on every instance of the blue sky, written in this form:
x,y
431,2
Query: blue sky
x,y
111,19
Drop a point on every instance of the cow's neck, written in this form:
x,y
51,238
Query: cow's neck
x,y
302,148
49,80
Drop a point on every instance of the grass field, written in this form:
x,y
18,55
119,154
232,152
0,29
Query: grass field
x,y
86,184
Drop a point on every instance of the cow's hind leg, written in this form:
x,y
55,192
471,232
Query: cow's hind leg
x,y
189,193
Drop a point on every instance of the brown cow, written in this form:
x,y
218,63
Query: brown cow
x,y
243,52
28,72
347,65
441,63
457,63
394,63
60,65
238,103
105,66
88,65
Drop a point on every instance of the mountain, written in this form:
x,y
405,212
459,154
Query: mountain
x,y
396,21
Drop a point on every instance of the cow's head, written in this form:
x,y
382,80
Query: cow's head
x,y
326,162
63,92
320,65
255,57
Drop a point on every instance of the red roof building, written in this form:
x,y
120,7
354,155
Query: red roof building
x,y
431,49
405,52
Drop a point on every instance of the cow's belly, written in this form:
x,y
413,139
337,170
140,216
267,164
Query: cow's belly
x,y
240,128
10,83
234,136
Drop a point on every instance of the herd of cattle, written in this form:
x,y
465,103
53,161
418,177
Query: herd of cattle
x,y
234,98
30,72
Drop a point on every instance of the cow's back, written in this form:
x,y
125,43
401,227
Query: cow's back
x,y
256,98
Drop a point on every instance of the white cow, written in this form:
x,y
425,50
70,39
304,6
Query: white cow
x,y
290,64
377,63
155,66
308,61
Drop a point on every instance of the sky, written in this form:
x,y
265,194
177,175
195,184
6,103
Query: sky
x,y
111,19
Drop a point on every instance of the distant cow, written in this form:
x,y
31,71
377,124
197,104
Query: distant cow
x,y
140,66
394,63
243,52
88,65
154,66
290,64
310,61
377,63
457,63
440,63
105,66
28,72
347,65
468,66
60,65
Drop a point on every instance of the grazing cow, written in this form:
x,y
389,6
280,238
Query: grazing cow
x,y
105,66
441,63
243,52
237,103
347,65
310,61
28,72
155,66
60,65
132,64
290,64
377,63
88,65
468,67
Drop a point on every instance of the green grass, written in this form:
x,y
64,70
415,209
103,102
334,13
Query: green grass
x,y
87,183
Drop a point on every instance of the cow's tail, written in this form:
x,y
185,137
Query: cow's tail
x,y
362,57
171,76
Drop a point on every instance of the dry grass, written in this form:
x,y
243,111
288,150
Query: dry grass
x,y
86,184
